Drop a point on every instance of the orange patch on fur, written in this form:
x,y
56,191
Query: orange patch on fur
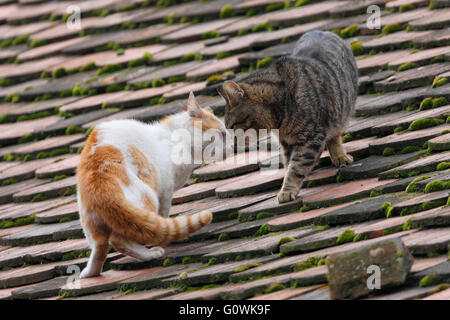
x,y
148,203
189,224
146,171
208,121
167,120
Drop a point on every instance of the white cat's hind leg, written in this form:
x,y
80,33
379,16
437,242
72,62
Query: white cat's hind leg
x,y
134,249
97,257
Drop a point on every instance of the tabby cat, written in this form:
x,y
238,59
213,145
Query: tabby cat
x,y
126,179
308,96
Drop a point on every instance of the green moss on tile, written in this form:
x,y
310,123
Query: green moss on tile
x,y
191,57
409,149
437,59
167,262
65,219
277,6
357,48
223,237
262,27
263,63
346,236
9,181
242,32
115,87
412,187
158,83
406,7
407,66
176,79
426,104
73,130
285,240
275,287
264,215
347,137
388,151
222,55
20,40
188,260
434,186
391,28
264,229
5,82
226,11
309,263
439,102
39,197
430,280
350,31
246,267
210,34
412,107
437,82
443,166
301,3
420,124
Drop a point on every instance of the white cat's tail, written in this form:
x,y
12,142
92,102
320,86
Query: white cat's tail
x,y
148,227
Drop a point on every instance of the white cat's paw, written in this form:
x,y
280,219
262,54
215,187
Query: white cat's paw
x,y
286,196
87,273
157,252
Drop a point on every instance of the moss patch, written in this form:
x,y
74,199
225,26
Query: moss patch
x,y
357,48
349,31
412,187
391,28
437,82
246,267
264,229
264,215
434,186
430,280
264,62
275,287
223,237
346,236
309,263
167,262
388,152
188,260
407,66
420,124
443,166
285,240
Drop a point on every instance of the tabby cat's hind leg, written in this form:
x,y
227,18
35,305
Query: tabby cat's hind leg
x,y
337,152
134,249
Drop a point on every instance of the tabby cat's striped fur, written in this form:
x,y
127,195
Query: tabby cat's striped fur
x,y
308,96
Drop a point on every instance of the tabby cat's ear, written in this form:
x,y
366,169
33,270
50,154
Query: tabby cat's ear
x,y
232,92
194,109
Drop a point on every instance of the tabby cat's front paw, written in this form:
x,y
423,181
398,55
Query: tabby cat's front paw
x,y
342,160
286,196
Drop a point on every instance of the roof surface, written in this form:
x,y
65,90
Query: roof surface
x,y
139,59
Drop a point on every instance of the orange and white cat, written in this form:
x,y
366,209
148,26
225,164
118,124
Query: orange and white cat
x,y
126,179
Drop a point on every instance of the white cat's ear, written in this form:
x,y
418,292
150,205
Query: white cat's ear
x,y
233,92
193,107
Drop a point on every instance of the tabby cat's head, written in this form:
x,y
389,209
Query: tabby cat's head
x,y
239,110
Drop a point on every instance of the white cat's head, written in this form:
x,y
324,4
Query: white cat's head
x,y
216,140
